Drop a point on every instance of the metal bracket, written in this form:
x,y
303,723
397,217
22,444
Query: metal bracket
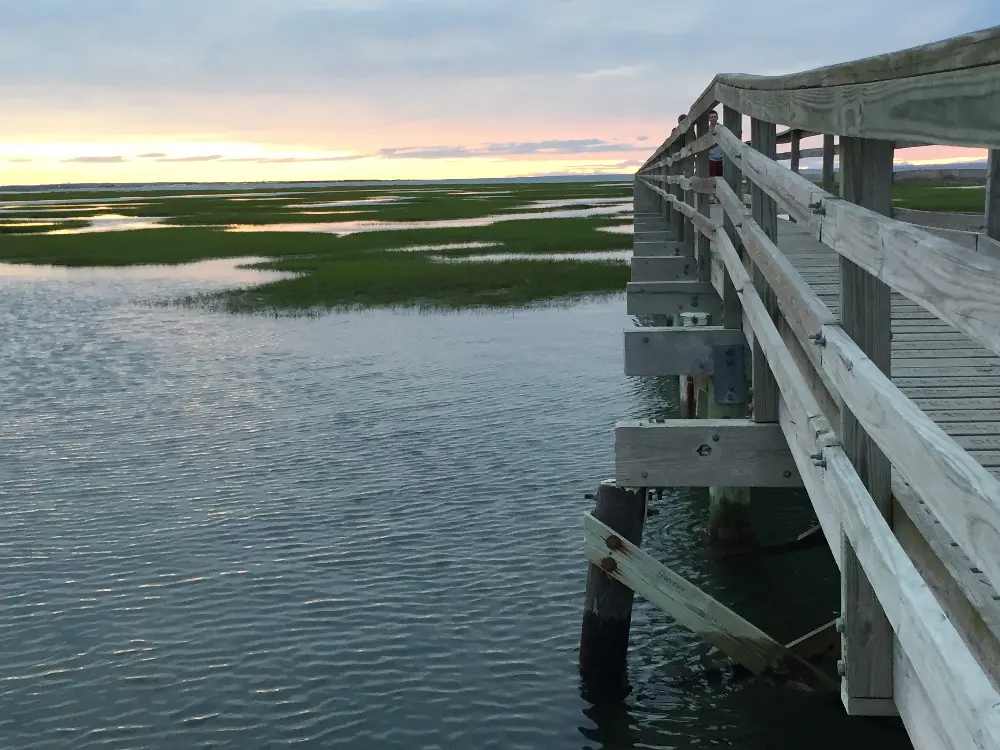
x,y
729,374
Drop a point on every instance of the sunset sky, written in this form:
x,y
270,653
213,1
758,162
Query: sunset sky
x,y
242,90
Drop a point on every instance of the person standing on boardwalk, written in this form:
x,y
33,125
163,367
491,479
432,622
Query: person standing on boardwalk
x,y
715,154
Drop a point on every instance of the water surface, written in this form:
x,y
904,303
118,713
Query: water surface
x,y
359,531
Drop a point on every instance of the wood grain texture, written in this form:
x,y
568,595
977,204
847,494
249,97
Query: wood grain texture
x,y
700,613
920,716
829,150
654,248
663,268
703,243
964,496
965,51
992,212
765,215
703,453
732,314
795,155
675,298
960,107
675,351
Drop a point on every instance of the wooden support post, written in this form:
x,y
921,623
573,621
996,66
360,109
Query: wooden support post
x,y
732,309
865,312
796,149
703,248
607,608
687,170
828,152
765,212
993,195
677,219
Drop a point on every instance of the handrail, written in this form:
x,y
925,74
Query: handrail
x,y
869,97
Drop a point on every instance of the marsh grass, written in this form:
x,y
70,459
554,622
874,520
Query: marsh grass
x,y
364,269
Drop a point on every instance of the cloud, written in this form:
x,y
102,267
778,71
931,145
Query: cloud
x,y
296,159
623,71
20,161
95,160
151,156
642,138
525,148
209,157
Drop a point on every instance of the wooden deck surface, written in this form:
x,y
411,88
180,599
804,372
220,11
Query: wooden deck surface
x,y
950,377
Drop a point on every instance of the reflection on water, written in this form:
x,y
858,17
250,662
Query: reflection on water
x,y
229,271
618,229
386,200
353,227
599,256
481,192
115,223
360,530
443,246
575,202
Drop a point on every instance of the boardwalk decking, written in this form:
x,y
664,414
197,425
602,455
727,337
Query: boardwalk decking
x,y
889,408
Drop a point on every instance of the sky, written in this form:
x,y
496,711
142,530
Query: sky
x,y
265,90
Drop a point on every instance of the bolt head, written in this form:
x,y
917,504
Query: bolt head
x,y
841,625
613,542
841,668
608,565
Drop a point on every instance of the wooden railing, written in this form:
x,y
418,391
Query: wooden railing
x,y
825,378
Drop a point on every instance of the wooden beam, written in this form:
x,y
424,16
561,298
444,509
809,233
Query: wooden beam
x,y
732,175
942,219
676,351
703,453
663,268
765,214
697,611
655,248
821,643
673,298
703,245
951,108
956,284
865,312
796,153
965,51
993,195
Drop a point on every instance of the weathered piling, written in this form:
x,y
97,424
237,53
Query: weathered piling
x,y
607,609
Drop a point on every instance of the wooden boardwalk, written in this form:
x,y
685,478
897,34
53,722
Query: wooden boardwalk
x,y
841,350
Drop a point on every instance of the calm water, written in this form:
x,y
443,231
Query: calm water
x,y
354,531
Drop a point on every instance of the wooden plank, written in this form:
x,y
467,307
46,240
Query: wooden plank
x,y
646,249
941,219
963,495
804,153
796,153
956,107
765,214
992,213
920,716
703,244
703,453
828,153
972,604
965,51
663,268
955,284
865,311
676,351
696,610
969,704
794,297
673,298
732,315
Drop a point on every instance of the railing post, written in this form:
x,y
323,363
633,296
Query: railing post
x,y
865,313
664,205
829,150
703,246
690,233
765,212
993,195
676,217
796,150
732,173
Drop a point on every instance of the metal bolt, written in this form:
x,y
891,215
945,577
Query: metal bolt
x,y
645,475
841,668
613,542
704,450
841,625
821,463
715,438
787,474
645,339
608,565
818,338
